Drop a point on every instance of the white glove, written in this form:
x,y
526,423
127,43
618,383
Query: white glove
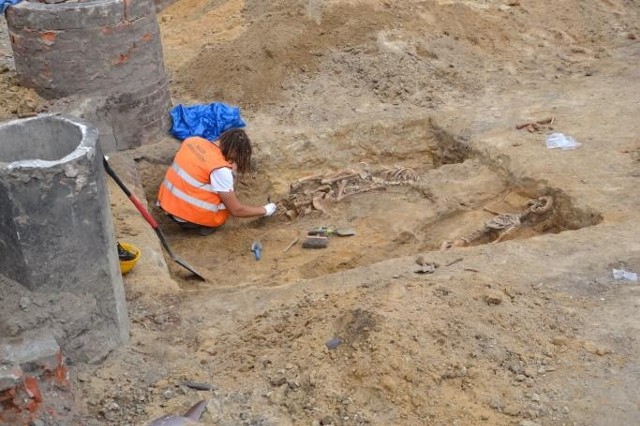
x,y
270,208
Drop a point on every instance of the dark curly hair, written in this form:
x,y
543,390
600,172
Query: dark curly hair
x,y
236,147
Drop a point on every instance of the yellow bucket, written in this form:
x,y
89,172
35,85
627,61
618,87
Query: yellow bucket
x,y
127,265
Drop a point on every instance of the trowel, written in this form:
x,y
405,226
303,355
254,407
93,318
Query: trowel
x,y
256,248
325,231
191,417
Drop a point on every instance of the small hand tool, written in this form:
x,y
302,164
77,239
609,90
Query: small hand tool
x,y
256,248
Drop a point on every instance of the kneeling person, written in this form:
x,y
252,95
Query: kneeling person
x,y
198,189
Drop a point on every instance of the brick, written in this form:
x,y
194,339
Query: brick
x,y
32,388
61,374
7,396
39,394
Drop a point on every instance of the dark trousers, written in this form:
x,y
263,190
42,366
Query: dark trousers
x,y
202,230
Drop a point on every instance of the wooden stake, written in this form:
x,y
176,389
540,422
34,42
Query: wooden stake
x,y
291,244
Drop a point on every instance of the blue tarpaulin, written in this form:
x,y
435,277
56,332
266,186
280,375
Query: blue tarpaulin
x,y
4,4
207,121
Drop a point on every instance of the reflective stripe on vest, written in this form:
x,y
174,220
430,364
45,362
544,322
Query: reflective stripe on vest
x,y
187,191
192,200
190,179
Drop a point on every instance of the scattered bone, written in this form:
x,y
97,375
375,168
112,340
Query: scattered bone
x,y
426,267
398,174
341,186
339,176
503,221
291,244
317,202
291,214
301,203
363,190
534,126
429,268
453,262
308,179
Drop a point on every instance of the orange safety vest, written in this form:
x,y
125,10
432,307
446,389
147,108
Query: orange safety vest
x,y
186,191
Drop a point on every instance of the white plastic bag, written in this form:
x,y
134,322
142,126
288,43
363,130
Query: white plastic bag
x,y
621,274
562,141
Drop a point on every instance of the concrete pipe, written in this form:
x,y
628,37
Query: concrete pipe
x,y
105,49
56,231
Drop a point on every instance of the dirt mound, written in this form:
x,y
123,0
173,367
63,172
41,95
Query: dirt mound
x,y
17,101
420,349
439,351
408,54
278,41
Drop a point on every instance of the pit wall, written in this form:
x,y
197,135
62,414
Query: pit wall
x,y
106,51
566,215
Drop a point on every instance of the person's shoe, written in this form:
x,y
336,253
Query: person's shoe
x,y
204,231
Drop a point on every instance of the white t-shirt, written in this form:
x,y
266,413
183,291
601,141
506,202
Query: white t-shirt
x,y
222,179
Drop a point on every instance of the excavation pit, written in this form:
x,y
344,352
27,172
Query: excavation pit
x,y
402,204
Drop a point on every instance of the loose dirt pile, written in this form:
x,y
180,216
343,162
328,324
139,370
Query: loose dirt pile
x,y
416,53
532,330
16,101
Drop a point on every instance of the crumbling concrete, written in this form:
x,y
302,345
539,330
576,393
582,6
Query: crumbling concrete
x,y
56,236
105,49
163,4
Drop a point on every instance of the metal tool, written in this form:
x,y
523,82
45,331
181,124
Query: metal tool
x,y
192,416
256,248
325,231
150,220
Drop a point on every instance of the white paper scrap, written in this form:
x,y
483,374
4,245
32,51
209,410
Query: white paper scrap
x,y
621,274
560,140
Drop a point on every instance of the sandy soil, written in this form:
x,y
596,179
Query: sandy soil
x,y
530,330
16,101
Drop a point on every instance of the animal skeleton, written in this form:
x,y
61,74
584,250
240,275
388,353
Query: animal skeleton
x,y
504,224
315,192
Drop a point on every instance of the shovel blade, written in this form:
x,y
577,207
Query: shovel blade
x,y
345,232
188,267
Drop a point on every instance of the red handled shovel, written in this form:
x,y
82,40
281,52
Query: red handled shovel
x,y
150,220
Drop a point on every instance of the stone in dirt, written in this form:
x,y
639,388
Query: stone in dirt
x,y
198,385
333,343
492,298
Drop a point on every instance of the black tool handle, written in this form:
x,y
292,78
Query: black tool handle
x,y
136,202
